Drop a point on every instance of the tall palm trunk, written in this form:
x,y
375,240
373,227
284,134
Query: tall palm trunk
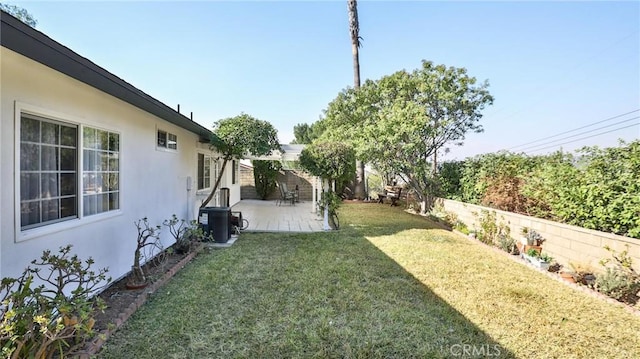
x,y
354,29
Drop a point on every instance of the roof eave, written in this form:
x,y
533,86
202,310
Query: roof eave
x,y
31,43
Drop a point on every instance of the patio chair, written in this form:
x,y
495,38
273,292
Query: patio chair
x,y
285,195
294,193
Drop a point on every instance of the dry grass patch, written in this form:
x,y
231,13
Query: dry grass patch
x,y
389,285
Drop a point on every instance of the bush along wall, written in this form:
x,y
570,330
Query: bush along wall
x,y
594,188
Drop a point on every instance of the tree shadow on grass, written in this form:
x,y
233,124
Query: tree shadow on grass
x,y
329,295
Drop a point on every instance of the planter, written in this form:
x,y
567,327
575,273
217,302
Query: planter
x,y
568,277
523,248
537,262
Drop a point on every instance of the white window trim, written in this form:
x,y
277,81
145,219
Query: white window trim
x,y
166,149
23,235
212,162
215,167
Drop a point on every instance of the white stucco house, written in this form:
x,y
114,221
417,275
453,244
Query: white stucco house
x,y
85,154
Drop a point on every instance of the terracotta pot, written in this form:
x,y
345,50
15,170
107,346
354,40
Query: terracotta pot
x,y
523,248
568,277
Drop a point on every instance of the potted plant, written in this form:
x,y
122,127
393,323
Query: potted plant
x,y
530,240
568,276
539,260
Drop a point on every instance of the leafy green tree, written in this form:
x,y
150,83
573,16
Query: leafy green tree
x,y
236,137
449,175
20,13
265,174
333,161
399,121
305,133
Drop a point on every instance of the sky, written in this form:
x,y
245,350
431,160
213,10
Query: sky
x,y
552,67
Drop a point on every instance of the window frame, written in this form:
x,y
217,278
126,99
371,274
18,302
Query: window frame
x,y
79,219
166,145
235,171
98,171
211,163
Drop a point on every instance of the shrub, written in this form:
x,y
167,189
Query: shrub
x,y
265,175
55,317
595,188
620,281
461,227
148,245
618,285
186,234
490,230
508,245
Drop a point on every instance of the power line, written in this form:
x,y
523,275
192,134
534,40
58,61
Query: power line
x,y
581,133
575,129
584,138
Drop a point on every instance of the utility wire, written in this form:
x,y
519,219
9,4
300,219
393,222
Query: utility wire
x,y
581,133
575,129
584,138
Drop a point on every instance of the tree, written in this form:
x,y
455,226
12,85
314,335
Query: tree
x,y
20,13
265,175
305,133
334,162
404,118
354,30
236,137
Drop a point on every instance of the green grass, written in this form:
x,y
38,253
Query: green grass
x,y
388,285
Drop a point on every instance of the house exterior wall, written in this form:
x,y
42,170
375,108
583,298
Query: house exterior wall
x,y
565,243
153,181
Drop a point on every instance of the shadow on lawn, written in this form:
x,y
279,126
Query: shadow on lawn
x,y
450,333
330,294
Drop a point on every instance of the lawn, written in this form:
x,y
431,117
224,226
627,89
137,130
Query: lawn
x,y
387,285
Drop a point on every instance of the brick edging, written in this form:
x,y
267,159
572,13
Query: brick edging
x,y
96,344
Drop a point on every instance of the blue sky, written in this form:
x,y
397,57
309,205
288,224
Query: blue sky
x,y
552,66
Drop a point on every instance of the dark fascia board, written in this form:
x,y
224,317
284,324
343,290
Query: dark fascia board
x,y
29,42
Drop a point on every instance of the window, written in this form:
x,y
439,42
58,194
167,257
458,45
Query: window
x,y
48,171
204,171
234,172
167,140
100,171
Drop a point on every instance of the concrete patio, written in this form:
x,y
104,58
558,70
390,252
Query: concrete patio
x,y
266,216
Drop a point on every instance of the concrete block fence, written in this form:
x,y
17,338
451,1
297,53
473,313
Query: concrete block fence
x,y
565,243
303,180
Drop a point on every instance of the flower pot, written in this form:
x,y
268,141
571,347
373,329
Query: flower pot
x,y
523,248
537,262
568,277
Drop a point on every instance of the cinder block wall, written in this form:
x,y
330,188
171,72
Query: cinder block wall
x,y
565,243
247,183
290,177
